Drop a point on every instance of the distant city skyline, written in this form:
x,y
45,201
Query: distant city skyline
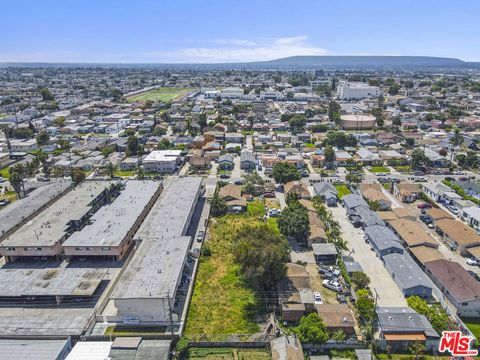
x,y
188,31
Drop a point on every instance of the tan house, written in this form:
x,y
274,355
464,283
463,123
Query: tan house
x,y
337,317
407,192
457,234
232,194
297,188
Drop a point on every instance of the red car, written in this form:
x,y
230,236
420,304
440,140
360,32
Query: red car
x,y
424,206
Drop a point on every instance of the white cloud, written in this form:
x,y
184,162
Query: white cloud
x,y
239,50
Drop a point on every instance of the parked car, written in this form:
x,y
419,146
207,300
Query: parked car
x,y
427,219
472,262
4,202
424,206
268,195
42,179
341,299
431,226
200,235
318,298
332,285
2,179
454,210
463,178
474,275
449,178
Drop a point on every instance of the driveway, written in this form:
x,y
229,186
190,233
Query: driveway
x,y
381,283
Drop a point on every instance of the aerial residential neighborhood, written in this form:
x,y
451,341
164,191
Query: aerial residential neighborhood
x,y
222,198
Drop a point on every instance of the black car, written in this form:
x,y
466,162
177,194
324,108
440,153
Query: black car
x,y
449,178
427,219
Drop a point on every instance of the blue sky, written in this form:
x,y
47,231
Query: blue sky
x,y
126,31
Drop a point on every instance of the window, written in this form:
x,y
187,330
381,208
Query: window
x,y
38,249
106,248
10,249
88,249
78,249
26,249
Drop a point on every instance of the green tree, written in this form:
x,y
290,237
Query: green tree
x,y
434,313
42,138
360,280
64,144
378,113
218,206
59,121
297,122
334,111
116,94
456,141
17,174
339,335
42,158
417,349
140,173
262,255
111,169
165,144
293,221
46,95
365,305
329,154
77,175
133,146
284,172
311,329
418,158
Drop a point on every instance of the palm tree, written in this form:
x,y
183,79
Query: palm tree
x,y
42,158
17,173
218,206
456,140
140,173
111,169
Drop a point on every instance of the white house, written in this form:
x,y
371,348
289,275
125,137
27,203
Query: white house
x,y
472,216
162,161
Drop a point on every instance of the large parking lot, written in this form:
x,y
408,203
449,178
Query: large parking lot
x,y
388,293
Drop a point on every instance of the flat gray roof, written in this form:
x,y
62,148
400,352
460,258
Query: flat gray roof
x,y
407,273
48,227
112,222
21,209
50,282
157,265
44,321
383,238
13,349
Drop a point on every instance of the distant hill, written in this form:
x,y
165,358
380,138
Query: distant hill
x,y
376,61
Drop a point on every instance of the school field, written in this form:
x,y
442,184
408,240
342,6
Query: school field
x,y
161,94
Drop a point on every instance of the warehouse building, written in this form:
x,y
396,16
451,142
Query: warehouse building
x,y
111,229
44,234
147,290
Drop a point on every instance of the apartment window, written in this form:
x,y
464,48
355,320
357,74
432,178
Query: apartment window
x,y
26,249
38,249
106,248
78,248
88,248
10,249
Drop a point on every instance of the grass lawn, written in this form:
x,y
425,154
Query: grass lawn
x,y
473,325
227,354
134,330
342,190
402,168
379,169
222,304
409,357
161,94
4,173
256,208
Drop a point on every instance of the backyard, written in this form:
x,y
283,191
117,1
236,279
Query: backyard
x,y
223,306
342,190
161,94
473,325
227,354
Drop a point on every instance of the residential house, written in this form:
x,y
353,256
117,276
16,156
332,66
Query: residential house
x,y
457,234
295,295
298,188
407,192
327,192
225,162
325,253
373,194
351,201
232,194
367,158
436,191
232,137
337,317
247,160
383,240
458,286
412,233
199,163
400,327
408,276
162,161
392,157
129,163
472,216
435,159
